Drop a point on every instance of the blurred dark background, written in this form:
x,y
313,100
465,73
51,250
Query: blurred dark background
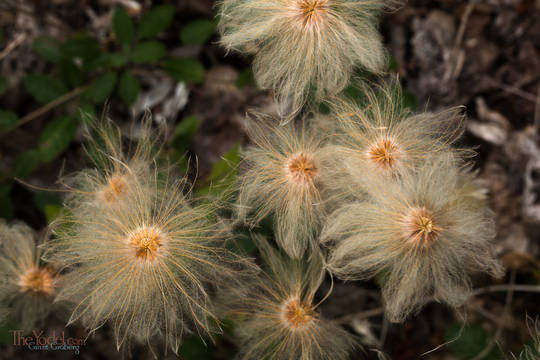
x,y
58,57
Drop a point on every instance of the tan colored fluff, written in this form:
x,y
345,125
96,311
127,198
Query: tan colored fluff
x,y
276,314
420,232
304,47
532,352
381,136
27,288
145,264
282,178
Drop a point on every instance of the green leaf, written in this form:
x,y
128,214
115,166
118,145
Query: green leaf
x,y
7,119
6,332
183,133
101,88
48,48
25,163
244,78
128,87
118,60
56,137
223,174
149,51
156,20
197,32
122,26
4,84
44,88
51,212
409,100
81,46
71,73
185,69
472,341
194,349
6,210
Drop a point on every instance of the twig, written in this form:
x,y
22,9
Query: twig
x,y
360,315
537,110
513,90
500,323
507,287
46,108
12,45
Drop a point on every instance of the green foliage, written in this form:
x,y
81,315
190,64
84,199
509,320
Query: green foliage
x,y
101,88
473,340
245,78
156,20
49,203
128,87
48,48
147,52
7,119
193,348
4,84
185,69
44,88
183,133
223,175
71,73
25,162
122,26
81,46
197,32
6,334
56,137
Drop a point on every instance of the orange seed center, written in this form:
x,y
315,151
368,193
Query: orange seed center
x,y
146,242
114,189
37,281
301,169
312,11
384,153
421,228
297,315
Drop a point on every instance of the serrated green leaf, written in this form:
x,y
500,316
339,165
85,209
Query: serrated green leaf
x,y
7,119
156,20
197,32
148,51
25,163
472,341
101,88
185,69
44,88
183,133
81,46
4,84
6,210
122,26
48,48
128,87
56,137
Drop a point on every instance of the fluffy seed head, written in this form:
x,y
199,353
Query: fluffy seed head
x,y
282,177
145,265
422,231
28,287
304,48
379,135
276,312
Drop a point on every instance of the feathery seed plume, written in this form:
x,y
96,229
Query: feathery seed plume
x,y
277,316
146,265
27,287
304,47
420,232
283,178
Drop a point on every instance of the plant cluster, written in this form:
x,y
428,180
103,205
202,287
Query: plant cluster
x,y
366,189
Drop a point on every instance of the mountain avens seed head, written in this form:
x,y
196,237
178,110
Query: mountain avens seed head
x,y
421,228
37,281
146,242
301,169
313,12
384,153
297,315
